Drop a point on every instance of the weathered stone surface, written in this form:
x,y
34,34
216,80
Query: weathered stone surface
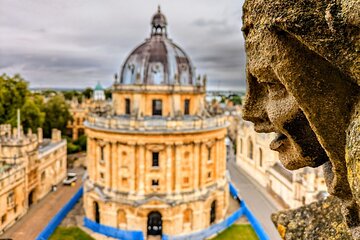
x,y
319,220
303,76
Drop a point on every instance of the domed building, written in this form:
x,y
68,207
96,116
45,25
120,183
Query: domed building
x,y
157,160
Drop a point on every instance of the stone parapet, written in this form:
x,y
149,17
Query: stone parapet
x,y
127,124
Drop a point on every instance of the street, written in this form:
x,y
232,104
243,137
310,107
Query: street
x,y
255,197
40,214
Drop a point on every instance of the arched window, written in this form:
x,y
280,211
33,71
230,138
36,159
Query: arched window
x,y
121,216
260,157
250,149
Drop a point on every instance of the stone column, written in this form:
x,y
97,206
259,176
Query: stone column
x,y
141,168
178,155
114,165
196,169
203,161
223,157
217,159
132,167
95,160
108,156
168,169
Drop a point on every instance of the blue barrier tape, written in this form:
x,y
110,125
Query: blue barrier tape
x,y
260,232
56,220
138,235
112,231
219,227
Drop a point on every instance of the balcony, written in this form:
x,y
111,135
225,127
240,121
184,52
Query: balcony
x,y
155,124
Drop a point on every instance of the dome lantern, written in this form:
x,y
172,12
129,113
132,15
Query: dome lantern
x,y
158,24
158,61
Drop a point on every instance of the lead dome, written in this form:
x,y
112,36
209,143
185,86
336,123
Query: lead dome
x,y
158,61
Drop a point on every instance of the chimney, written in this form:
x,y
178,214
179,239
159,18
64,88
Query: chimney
x,y
40,135
55,135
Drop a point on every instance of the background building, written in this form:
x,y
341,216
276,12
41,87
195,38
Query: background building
x,y
292,188
80,110
29,167
157,160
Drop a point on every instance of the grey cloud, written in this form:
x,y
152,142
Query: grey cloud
x,y
208,22
57,44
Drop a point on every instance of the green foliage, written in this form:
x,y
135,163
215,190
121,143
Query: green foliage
x,y
72,148
81,142
223,99
88,92
31,116
70,233
236,99
237,232
13,93
108,94
69,95
57,115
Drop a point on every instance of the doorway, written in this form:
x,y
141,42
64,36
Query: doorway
x,y
96,212
154,224
213,212
31,198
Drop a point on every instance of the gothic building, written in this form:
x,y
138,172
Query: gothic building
x,y
157,160
30,166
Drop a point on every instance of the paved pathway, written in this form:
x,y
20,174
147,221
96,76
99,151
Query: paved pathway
x,y
256,198
40,214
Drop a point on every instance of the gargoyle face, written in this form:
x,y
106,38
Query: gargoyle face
x,y
272,108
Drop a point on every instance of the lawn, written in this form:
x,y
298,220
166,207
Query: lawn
x,y
70,233
238,232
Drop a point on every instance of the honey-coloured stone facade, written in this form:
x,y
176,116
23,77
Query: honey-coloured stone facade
x,y
157,160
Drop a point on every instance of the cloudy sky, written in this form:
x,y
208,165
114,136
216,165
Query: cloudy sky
x,y
76,43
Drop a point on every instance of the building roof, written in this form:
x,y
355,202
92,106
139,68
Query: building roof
x,y
158,61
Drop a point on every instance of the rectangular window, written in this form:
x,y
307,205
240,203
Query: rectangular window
x,y
155,182
102,153
3,219
209,153
157,107
187,107
102,176
155,159
127,106
10,199
186,180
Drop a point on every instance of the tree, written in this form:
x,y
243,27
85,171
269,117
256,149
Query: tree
x,y
57,115
13,93
236,99
31,116
108,93
88,92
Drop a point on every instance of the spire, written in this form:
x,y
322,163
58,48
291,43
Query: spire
x,y
18,124
159,9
